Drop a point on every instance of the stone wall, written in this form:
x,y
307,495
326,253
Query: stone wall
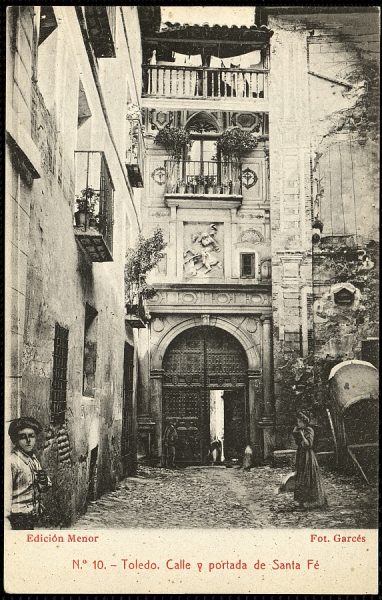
x,y
323,75
51,277
346,181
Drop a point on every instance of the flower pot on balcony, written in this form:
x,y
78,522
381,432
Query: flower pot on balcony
x,y
210,189
200,188
92,221
189,188
236,188
81,218
182,188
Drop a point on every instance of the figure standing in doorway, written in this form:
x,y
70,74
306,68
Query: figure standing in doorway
x,y
309,490
170,439
27,477
216,451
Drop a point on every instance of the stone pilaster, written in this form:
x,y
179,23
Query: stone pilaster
x,y
255,405
156,377
290,195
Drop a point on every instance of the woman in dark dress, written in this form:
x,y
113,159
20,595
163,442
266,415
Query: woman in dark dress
x,y
309,490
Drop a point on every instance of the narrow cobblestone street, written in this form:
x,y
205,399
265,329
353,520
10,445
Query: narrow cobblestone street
x,y
222,497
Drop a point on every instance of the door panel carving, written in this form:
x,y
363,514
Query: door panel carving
x,y
197,361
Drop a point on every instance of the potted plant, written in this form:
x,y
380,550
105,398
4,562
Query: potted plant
x,y
139,262
175,140
234,143
210,184
200,184
181,186
87,214
189,186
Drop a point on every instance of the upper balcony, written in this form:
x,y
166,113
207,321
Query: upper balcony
x,y
202,64
204,82
94,192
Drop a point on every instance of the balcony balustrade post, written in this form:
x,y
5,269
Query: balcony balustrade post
x,y
204,82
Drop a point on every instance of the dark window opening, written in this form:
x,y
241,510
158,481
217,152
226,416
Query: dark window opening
x,y
128,439
59,379
90,351
344,297
92,481
84,112
48,23
247,265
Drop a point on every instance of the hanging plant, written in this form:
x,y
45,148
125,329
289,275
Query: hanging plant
x,y
235,143
174,140
139,262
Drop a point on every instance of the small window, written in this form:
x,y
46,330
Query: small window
x,y
59,379
90,351
344,297
247,265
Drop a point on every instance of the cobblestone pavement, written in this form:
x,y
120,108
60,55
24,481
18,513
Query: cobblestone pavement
x,y
226,497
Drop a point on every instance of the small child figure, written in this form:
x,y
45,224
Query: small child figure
x,y
248,458
28,478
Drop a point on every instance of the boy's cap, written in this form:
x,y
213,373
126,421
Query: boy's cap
x,y
22,423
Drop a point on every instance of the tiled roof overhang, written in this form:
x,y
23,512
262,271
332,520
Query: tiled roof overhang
x,y
219,40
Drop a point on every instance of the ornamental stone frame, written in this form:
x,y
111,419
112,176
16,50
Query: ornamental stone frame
x,y
259,369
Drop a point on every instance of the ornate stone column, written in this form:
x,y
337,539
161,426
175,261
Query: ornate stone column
x,y
172,247
267,421
156,378
255,401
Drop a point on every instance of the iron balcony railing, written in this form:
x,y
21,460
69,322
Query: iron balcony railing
x,y
135,152
206,177
137,314
94,193
204,82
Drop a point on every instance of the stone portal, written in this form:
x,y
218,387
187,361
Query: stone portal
x,y
197,363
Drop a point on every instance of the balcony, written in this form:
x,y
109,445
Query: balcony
x,y
101,22
93,219
135,153
204,82
197,184
137,316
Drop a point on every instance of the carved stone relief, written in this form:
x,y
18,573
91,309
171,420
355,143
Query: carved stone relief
x,y
159,175
203,253
251,325
160,119
158,324
249,178
245,215
251,236
248,121
266,269
209,297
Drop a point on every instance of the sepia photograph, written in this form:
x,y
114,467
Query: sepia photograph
x,y
192,274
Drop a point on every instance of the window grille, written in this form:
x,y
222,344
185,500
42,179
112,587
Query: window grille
x,y
59,381
248,265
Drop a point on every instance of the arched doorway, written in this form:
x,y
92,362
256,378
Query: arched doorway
x,y
205,393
